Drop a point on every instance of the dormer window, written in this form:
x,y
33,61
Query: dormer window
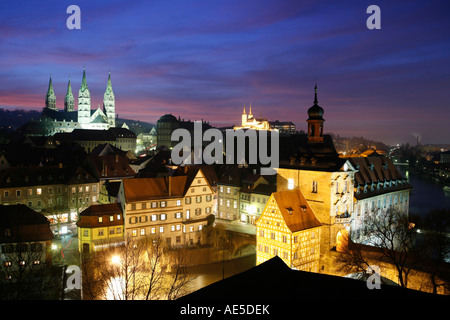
x,y
289,210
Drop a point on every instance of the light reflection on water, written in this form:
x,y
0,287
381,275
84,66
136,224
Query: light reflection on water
x,y
213,272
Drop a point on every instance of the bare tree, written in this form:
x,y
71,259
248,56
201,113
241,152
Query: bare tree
x,y
143,269
393,240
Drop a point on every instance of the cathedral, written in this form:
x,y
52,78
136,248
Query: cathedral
x,y
54,120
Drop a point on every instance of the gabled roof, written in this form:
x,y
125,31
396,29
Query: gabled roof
x,y
374,170
89,216
142,189
295,210
112,166
24,224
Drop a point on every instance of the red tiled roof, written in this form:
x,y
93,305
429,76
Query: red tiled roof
x,y
295,210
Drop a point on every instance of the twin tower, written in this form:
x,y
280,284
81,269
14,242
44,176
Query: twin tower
x,y
84,101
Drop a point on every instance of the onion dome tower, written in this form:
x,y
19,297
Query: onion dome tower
x,y
315,121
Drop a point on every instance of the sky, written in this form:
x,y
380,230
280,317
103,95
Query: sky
x,y
205,60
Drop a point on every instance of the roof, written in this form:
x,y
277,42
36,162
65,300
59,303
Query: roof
x,y
48,175
374,170
274,280
295,210
297,153
89,217
141,189
24,224
112,166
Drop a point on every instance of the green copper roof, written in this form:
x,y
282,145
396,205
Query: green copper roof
x,y
109,89
69,94
84,85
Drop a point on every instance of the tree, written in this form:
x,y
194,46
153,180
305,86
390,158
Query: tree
x,y
143,269
393,240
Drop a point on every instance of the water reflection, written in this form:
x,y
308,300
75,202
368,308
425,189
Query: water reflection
x,y
213,272
426,195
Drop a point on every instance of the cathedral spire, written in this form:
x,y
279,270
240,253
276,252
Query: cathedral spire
x,y
109,103
50,98
243,112
250,112
69,100
84,85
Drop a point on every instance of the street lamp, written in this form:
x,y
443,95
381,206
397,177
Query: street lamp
x,y
115,259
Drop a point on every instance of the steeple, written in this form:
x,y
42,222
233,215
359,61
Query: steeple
x,y
84,85
109,103
50,98
69,100
315,121
250,112
84,101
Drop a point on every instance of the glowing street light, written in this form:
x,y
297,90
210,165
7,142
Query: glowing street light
x,y
115,259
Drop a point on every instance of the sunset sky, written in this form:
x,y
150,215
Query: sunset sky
x,y
206,59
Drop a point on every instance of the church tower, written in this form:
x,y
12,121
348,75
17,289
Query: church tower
x,y
84,101
69,100
109,103
50,98
244,117
315,121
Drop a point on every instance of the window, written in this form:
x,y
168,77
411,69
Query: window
x,y
178,215
228,190
144,205
290,184
30,192
187,200
163,204
221,189
100,232
198,211
228,203
100,219
6,194
161,229
85,233
178,203
284,239
153,230
272,235
163,216
154,217
18,193
208,197
142,232
134,233
235,204
314,187
188,214
111,231
192,190
337,187
133,206
198,199
154,204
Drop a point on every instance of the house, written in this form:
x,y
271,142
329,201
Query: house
x,y
99,227
25,239
175,208
289,229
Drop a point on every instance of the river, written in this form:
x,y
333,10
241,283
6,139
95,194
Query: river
x,y
207,274
425,195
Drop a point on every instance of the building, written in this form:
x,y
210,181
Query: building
x,y
54,120
175,208
250,122
168,123
378,186
59,192
254,194
25,241
289,229
99,227
89,139
228,193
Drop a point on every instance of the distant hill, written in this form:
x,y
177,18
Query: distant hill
x,y
11,120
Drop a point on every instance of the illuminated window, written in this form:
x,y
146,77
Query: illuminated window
x,y
111,218
178,203
163,216
290,184
161,229
38,191
163,204
142,232
177,215
134,233
314,187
